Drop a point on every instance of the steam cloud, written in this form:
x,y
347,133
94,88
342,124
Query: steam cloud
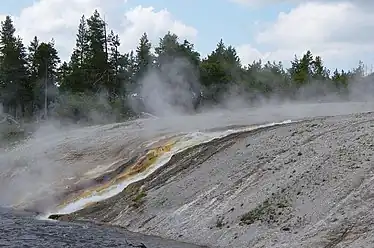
x,y
168,90
31,169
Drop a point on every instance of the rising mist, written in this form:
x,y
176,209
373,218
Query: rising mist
x,y
36,171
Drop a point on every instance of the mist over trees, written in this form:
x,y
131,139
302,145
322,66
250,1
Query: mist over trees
x,y
98,78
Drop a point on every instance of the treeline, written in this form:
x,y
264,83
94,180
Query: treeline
x,y
98,70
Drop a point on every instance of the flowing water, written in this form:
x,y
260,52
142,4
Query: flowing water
x,y
20,230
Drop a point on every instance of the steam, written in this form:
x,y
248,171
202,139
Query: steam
x,y
169,90
61,150
29,169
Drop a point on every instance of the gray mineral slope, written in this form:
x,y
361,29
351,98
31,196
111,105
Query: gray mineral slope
x,y
307,184
35,173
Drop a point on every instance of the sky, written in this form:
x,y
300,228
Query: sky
x,y
276,30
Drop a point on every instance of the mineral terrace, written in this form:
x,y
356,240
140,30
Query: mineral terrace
x,y
306,184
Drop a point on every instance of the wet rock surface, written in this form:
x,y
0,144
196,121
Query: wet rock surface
x,y
308,184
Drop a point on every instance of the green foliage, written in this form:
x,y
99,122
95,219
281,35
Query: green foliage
x,y
144,56
96,81
138,199
87,108
268,211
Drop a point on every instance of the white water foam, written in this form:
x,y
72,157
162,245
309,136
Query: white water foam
x,y
187,141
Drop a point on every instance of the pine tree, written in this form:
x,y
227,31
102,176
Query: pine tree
x,y
131,69
81,45
76,72
167,49
13,69
114,84
214,72
31,59
188,51
97,53
47,61
319,71
143,55
24,93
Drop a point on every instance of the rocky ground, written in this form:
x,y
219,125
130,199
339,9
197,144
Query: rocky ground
x,y
307,184
297,185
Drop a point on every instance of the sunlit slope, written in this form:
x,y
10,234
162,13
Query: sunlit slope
x,y
304,184
154,158
55,162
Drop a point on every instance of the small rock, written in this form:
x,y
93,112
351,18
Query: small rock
x,y
334,219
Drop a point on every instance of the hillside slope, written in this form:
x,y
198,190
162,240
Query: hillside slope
x,y
307,184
